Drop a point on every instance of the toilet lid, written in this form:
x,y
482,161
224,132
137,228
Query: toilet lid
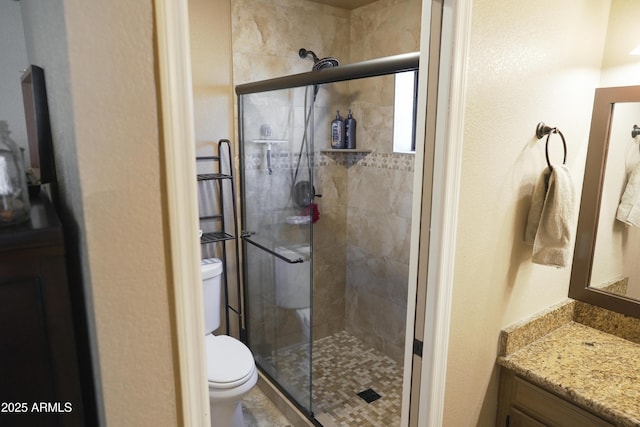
x,y
229,362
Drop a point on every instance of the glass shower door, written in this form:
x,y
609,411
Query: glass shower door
x,y
277,194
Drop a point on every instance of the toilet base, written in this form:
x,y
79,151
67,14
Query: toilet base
x,y
225,405
304,316
227,415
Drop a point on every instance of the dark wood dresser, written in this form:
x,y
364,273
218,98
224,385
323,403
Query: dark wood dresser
x,y
39,380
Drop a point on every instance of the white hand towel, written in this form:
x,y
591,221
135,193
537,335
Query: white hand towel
x,y
535,211
629,208
555,218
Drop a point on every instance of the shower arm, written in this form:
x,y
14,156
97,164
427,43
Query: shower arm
x,y
303,53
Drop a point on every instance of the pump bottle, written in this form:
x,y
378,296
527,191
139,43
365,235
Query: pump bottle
x,y
350,131
337,131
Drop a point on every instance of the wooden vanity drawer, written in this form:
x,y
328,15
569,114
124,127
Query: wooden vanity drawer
x,y
520,419
525,404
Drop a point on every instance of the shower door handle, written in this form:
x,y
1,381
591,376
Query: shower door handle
x,y
245,235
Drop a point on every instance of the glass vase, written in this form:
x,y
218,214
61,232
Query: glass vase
x,y
14,195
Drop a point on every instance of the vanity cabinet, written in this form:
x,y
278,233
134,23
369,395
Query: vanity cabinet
x,y
39,378
523,404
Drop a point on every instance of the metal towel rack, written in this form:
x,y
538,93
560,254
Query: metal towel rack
x,y
541,131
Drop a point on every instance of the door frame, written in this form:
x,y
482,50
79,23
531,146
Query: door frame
x,y
433,224
435,213
177,126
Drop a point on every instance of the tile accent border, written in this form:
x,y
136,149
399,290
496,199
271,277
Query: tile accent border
x,y
287,160
393,161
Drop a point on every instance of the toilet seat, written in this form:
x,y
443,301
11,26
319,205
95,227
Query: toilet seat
x,y
229,362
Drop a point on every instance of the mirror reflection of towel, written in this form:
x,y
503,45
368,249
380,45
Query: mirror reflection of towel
x,y
629,208
551,220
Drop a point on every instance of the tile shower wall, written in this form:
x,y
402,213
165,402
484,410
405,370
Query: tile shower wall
x,y
361,242
379,185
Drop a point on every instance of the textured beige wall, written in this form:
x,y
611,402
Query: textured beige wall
x,y
391,27
380,187
618,67
210,37
213,109
99,62
528,62
117,138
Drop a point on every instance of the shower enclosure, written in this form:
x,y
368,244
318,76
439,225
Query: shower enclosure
x,y
298,287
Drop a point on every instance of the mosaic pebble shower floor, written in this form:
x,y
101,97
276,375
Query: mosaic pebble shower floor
x,y
343,367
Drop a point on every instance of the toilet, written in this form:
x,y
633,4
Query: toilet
x,y
292,284
231,369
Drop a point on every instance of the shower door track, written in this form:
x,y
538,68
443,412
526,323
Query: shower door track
x,y
359,70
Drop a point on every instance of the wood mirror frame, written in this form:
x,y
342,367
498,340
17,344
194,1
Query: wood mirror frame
x,y
583,256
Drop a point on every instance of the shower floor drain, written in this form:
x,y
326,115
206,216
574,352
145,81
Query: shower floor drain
x,y
369,395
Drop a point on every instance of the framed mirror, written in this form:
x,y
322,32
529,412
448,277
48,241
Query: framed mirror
x,y
36,109
606,259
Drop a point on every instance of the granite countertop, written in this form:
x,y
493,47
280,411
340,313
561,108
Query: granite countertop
x,y
584,365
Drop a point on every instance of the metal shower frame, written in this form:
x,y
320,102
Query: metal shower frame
x,y
370,68
359,70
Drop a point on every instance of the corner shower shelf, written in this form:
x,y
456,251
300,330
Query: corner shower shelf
x,y
346,156
220,233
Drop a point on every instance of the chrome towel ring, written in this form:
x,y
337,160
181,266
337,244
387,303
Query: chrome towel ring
x,y
541,131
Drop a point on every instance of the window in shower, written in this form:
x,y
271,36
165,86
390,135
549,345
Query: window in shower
x,y
404,112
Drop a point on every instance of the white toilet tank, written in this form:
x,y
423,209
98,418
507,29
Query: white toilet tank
x,y
293,281
211,271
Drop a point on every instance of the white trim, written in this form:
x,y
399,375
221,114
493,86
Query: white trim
x,y
416,218
446,184
174,70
